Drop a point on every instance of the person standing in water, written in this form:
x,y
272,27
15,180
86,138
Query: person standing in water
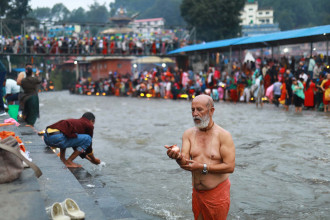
x,y
208,152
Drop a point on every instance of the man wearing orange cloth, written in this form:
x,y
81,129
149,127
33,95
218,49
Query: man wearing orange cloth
x,y
208,152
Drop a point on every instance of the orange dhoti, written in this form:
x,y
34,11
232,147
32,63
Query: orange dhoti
x,y
213,204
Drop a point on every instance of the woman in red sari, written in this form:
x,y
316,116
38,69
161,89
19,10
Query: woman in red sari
x,y
105,46
267,81
112,47
310,90
153,48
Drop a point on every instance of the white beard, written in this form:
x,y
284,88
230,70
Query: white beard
x,y
204,122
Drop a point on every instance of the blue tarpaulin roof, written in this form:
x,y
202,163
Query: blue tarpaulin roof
x,y
209,45
304,35
292,34
23,70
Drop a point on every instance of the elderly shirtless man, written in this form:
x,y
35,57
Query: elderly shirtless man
x,y
208,151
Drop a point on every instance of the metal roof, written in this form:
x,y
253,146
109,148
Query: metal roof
x,y
208,45
313,34
23,70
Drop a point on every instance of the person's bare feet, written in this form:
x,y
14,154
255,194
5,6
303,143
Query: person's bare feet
x,y
71,164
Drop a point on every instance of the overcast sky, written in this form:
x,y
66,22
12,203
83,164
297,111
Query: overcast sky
x,y
70,4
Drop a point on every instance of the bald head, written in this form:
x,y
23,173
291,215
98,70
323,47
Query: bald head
x,y
204,99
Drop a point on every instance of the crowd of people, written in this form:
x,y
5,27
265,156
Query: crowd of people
x,y
101,45
304,84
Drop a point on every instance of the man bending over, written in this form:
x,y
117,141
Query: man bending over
x,y
75,133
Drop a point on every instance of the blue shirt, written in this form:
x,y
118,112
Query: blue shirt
x,y
277,88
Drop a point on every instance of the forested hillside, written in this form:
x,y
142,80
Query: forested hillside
x,y
289,14
292,14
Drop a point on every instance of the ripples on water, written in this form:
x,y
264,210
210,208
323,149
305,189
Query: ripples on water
x,y
282,158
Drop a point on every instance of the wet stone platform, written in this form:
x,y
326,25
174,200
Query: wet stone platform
x,y
27,197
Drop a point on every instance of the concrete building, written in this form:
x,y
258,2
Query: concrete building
x,y
102,66
251,14
256,21
147,27
258,29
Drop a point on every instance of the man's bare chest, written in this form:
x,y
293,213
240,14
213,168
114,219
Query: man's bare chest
x,y
205,149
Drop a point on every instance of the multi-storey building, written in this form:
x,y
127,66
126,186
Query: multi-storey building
x,y
255,20
147,27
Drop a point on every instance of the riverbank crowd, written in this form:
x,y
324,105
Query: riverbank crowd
x,y
274,81
100,45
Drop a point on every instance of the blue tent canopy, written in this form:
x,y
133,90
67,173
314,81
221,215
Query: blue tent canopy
x,y
318,33
23,70
209,45
313,34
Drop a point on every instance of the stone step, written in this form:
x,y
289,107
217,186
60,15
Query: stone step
x,y
27,197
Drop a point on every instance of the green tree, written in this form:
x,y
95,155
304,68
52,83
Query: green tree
x,y
41,14
77,15
18,9
286,15
322,7
295,14
16,13
213,19
62,78
4,5
98,13
59,12
170,11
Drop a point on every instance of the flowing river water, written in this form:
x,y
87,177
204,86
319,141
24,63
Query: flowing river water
x,y
282,158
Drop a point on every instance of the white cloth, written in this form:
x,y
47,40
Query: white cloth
x,y
304,76
27,156
12,87
247,94
156,87
209,78
168,86
101,43
138,44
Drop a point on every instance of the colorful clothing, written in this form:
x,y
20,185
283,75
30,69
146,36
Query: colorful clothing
x,y
326,96
298,94
71,127
213,204
260,91
298,90
269,92
76,133
309,94
283,94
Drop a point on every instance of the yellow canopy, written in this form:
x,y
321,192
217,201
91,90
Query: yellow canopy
x,y
117,31
153,59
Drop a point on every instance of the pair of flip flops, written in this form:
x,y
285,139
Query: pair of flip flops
x,y
66,210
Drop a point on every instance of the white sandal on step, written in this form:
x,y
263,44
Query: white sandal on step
x,y
56,212
72,210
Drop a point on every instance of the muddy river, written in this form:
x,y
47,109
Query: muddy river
x,y
282,158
